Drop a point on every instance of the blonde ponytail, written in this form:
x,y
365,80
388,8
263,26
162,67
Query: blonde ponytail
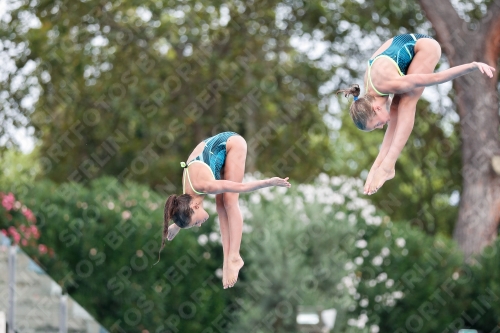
x,y
361,110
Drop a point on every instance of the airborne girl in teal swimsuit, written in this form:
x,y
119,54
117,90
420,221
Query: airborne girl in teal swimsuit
x,y
402,66
216,166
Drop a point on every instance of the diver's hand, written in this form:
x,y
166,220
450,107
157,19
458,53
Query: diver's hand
x,y
173,229
281,182
484,68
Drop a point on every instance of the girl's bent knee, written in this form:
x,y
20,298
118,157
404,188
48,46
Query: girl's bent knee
x,y
237,141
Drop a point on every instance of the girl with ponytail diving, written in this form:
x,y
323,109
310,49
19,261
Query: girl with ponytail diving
x,y
403,66
216,166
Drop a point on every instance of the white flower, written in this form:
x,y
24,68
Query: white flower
x,y
377,261
202,240
385,252
400,242
361,244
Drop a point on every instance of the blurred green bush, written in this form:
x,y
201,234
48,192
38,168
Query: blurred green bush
x,y
315,245
106,239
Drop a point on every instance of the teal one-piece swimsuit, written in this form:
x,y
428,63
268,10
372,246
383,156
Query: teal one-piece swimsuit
x,y
400,52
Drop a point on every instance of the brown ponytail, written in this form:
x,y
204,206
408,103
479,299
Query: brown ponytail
x,y
177,209
361,109
352,90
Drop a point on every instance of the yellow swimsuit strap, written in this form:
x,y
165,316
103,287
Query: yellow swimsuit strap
x,y
369,73
186,172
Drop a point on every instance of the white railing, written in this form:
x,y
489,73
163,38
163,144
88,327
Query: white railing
x,y
3,323
29,298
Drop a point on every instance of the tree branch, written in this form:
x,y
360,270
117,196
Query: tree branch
x,y
490,24
446,23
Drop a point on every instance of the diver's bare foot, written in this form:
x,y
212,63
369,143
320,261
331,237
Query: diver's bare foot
x,y
232,268
173,229
224,271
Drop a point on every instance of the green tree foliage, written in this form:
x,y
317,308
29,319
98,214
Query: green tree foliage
x,y
129,88
106,238
313,246
18,169
135,85
408,281
483,306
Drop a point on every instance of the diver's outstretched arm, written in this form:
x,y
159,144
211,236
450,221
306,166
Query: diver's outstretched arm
x,y
410,82
227,186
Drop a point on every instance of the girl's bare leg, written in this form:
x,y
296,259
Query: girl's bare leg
x,y
427,55
224,231
234,170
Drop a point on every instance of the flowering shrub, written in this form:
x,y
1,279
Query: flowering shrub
x,y
297,249
99,230
18,223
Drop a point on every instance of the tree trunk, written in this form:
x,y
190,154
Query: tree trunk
x,y
477,101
